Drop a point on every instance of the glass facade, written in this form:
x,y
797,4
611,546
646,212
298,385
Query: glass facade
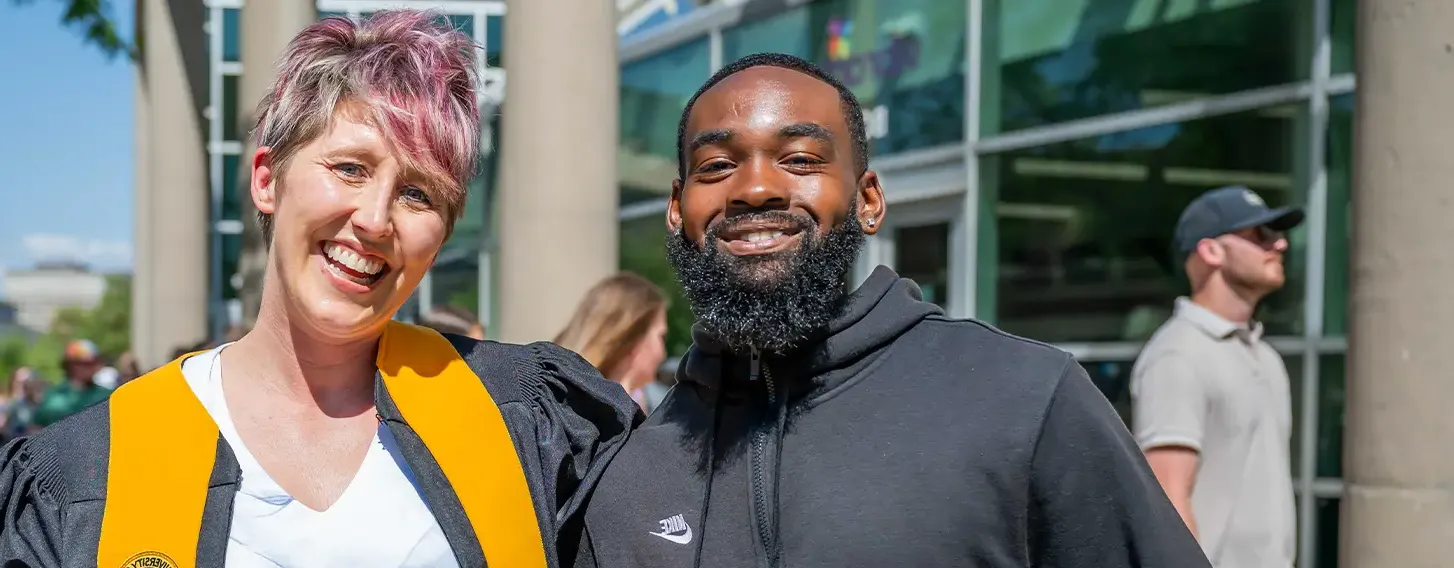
x,y
1040,192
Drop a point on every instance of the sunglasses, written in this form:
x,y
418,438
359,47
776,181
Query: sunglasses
x,y
1262,236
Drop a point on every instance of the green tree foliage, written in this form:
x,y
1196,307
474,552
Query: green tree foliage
x,y
108,325
93,19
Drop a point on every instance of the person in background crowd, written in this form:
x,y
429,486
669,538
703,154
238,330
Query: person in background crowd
x,y
330,434
450,319
811,426
620,327
127,365
26,391
1210,400
81,362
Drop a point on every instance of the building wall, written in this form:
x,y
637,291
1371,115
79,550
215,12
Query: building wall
x,y
34,296
1037,153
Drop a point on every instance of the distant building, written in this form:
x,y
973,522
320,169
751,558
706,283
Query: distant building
x,y
35,295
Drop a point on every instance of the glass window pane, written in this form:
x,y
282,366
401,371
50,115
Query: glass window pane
x,y
904,60
1113,378
1326,547
322,15
643,251
230,117
1332,397
461,22
1078,234
653,92
231,34
494,41
1340,212
922,254
231,253
231,193
455,278
1341,23
1049,61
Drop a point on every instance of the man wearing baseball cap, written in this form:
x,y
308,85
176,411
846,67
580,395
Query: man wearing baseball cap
x,y
81,362
1211,407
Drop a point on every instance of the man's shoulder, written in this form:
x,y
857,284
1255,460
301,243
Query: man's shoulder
x,y
968,341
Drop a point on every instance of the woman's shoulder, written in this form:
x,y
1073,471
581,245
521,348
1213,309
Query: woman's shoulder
x,y
551,378
63,463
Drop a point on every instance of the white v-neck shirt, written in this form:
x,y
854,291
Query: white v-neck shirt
x,y
380,520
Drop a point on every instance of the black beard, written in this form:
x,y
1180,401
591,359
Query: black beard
x,y
774,303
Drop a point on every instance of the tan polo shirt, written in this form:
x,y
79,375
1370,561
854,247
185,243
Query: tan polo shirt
x,y
1214,386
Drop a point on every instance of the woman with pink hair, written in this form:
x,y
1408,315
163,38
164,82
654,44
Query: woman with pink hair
x,y
329,434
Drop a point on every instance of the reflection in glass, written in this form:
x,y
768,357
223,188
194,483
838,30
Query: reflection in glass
x,y
1077,236
231,34
1340,213
902,58
230,118
231,207
1048,61
643,251
922,255
653,93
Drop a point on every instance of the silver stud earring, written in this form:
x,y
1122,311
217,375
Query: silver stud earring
x,y
870,223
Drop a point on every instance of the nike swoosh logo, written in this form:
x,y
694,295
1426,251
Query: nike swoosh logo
x,y
683,538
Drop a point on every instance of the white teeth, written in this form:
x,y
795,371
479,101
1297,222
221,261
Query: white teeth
x,y
343,255
761,236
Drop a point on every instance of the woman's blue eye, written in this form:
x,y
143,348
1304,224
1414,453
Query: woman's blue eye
x,y
416,194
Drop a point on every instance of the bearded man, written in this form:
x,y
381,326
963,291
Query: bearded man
x,y
812,426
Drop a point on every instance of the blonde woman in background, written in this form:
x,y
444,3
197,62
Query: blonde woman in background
x,y
620,327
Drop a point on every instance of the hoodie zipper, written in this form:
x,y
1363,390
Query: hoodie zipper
x,y
764,466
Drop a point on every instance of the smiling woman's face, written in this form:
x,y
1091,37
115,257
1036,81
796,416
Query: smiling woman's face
x,y
354,229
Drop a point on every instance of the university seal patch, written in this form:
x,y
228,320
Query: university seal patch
x,y
150,560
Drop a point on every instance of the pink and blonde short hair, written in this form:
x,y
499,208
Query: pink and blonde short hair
x,y
404,71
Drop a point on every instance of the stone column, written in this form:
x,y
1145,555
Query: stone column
x,y
267,27
141,277
558,195
173,213
1398,509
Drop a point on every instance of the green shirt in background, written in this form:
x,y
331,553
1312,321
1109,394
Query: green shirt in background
x,y
65,399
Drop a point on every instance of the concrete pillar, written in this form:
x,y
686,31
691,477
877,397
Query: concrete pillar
x,y
267,27
1398,509
141,279
172,298
558,195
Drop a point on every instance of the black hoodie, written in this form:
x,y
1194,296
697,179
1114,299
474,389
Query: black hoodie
x,y
901,438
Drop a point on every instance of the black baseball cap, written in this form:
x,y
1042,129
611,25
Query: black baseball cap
x,y
1227,210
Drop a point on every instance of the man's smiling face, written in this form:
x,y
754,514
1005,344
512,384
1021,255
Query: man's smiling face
x,y
772,209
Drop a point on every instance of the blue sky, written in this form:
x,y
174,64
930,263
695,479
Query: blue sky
x,y
66,148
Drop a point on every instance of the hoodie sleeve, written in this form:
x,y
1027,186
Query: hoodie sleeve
x,y
582,419
30,530
1093,499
